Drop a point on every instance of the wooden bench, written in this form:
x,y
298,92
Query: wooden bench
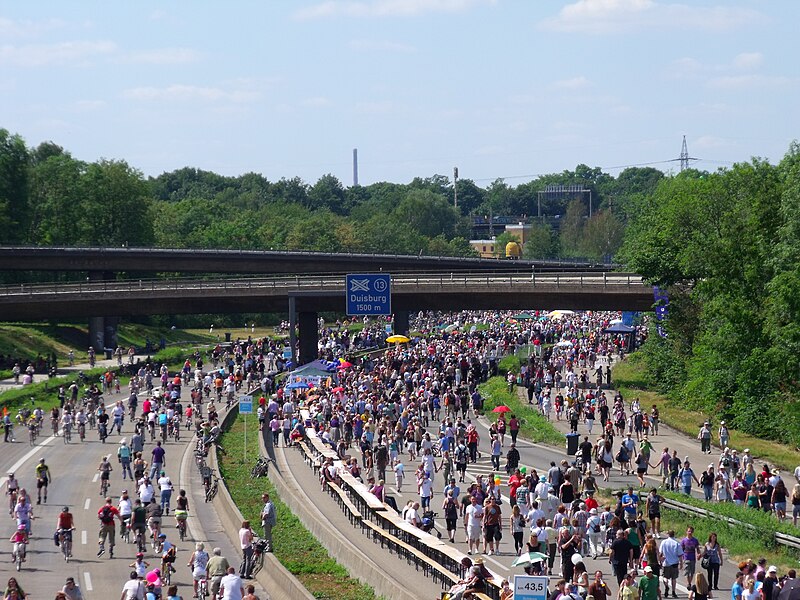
x,y
344,501
411,554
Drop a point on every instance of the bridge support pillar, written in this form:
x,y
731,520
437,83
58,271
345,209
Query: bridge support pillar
x,y
309,336
401,326
97,334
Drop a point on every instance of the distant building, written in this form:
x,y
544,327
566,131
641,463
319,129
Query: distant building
x,y
486,247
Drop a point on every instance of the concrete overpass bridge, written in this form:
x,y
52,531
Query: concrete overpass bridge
x,y
108,261
304,296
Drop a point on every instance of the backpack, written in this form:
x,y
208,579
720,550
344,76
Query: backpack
x,y
461,454
106,516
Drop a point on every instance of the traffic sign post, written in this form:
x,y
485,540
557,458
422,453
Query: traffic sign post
x,y
528,587
245,408
368,294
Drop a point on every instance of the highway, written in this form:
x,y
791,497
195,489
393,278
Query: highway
x,y
76,484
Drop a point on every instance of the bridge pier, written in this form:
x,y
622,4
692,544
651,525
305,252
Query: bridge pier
x,y
102,330
309,336
401,326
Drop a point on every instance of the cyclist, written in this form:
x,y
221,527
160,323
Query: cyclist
x,y
20,541
23,512
119,416
12,488
81,419
66,423
140,565
107,513
138,519
163,420
43,477
165,484
154,519
125,507
54,419
168,553
102,423
65,524
198,563
105,469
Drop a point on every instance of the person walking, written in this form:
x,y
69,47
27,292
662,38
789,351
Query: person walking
x,y
705,438
269,518
712,559
246,541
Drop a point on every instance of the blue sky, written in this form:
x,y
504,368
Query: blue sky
x,y
499,88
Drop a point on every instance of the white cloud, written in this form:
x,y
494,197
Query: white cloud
x,y
384,8
573,83
10,29
183,93
164,56
748,60
380,46
65,53
731,82
612,16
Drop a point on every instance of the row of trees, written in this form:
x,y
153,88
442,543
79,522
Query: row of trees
x,y
48,197
727,247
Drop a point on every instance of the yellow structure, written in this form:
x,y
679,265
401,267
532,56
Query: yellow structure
x,y
513,251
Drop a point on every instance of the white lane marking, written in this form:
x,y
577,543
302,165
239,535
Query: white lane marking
x,y
84,537
87,503
193,526
502,566
88,580
96,477
15,467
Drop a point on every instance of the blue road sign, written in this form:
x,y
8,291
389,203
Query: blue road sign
x,y
368,294
245,405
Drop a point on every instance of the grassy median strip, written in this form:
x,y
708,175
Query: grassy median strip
x,y
629,378
533,426
295,547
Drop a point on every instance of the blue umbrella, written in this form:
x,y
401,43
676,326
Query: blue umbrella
x,y
297,385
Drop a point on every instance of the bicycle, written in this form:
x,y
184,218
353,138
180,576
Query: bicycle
x,y
65,541
67,433
82,431
180,518
261,468
139,540
213,488
202,586
54,425
18,554
104,485
259,547
12,501
32,436
126,530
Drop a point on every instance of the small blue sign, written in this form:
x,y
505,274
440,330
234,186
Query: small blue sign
x,y
368,294
245,405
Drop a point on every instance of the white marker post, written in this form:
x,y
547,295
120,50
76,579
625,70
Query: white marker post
x,y
245,408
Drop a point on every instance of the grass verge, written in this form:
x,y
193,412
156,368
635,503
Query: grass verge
x,y
533,426
629,378
295,547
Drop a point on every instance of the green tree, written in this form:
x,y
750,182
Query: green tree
x,y
116,206
55,199
572,229
501,241
427,213
14,182
602,235
542,243
327,193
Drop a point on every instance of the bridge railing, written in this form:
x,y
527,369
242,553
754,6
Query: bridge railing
x,y
329,283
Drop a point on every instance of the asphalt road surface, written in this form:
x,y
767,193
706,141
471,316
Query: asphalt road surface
x,y
76,484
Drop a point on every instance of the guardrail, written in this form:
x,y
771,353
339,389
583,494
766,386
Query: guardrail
x,y
780,538
331,283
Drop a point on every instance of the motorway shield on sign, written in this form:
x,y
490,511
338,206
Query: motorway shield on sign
x,y
527,587
368,294
245,405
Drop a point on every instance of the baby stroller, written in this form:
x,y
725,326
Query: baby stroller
x,y
428,523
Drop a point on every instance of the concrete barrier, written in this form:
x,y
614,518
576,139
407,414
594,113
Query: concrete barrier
x,y
357,563
274,577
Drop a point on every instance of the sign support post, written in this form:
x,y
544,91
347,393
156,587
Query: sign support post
x,y
245,408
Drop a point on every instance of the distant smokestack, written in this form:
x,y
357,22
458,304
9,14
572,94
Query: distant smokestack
x,y
355,166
